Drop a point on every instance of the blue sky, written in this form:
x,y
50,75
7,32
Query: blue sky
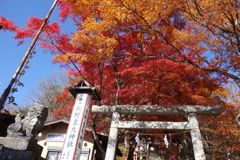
x,y
11,54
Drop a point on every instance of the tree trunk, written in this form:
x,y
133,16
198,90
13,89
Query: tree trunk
x,y
96,138
132,145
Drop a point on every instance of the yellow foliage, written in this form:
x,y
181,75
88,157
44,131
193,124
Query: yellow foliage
x,y
220,91
102,15
64,58
205,19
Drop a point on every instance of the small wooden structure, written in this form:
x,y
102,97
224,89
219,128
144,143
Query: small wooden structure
x,y
191,125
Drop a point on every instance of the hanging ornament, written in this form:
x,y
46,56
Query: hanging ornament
x,y
137,138
166,141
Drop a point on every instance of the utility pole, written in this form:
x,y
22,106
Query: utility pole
x,y
6,92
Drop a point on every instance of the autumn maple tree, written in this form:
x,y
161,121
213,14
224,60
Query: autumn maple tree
x,y
136,52
213,28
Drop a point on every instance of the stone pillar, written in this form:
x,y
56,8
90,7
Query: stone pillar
x,y
76,128
112,139
196,137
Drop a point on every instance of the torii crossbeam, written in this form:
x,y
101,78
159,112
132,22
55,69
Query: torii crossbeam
x,y
191,125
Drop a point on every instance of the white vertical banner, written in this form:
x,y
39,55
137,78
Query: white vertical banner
x,y
76,128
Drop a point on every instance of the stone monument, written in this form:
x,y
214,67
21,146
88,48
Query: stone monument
x,y
21,142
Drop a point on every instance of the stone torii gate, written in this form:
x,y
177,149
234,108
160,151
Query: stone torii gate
x,y
191,124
